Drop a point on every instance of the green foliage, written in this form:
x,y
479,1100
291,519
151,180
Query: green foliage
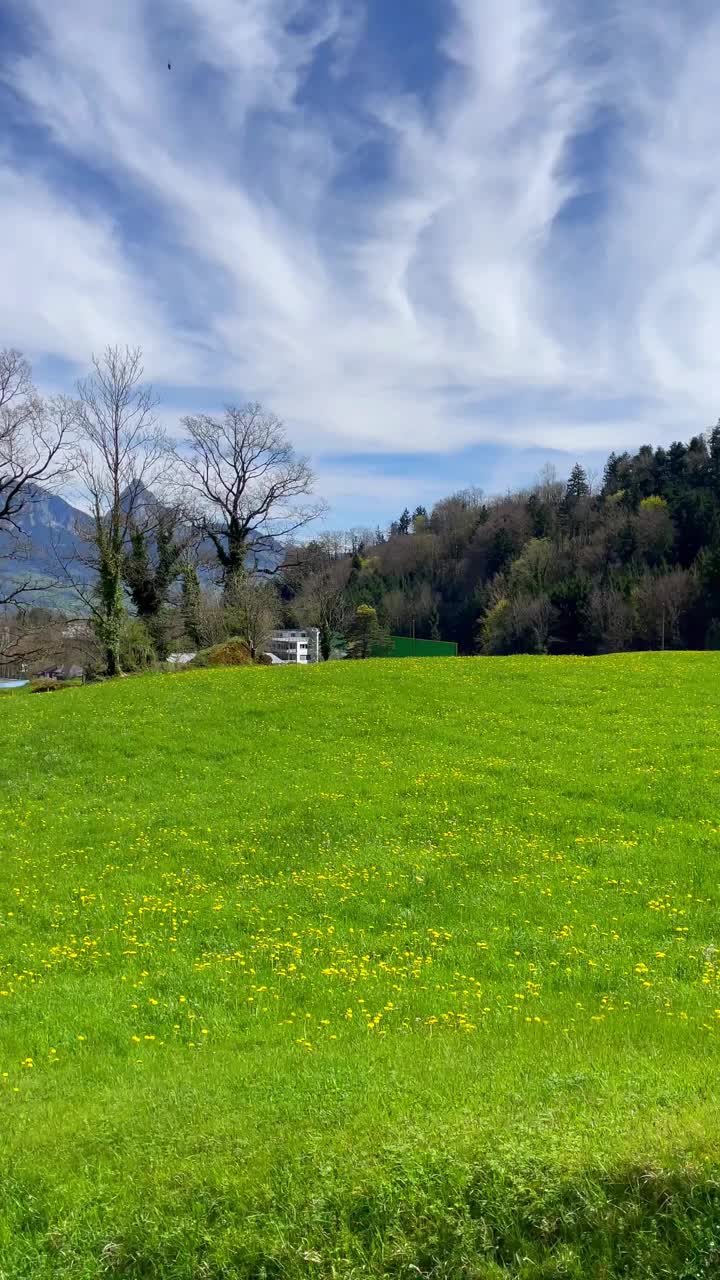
x,y
109,611
191,604
137,650
503,871
44,685
571,624
540,515
150,575
501,552
326,641
577,485
365,636
138,573
355,568
519,624
532,570
572,564
494,628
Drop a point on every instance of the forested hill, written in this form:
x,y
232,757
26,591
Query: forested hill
x,y
558,568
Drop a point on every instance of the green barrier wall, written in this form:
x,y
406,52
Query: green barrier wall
x,y
406,647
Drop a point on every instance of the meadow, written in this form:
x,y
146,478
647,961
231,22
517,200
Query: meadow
x,y
389,968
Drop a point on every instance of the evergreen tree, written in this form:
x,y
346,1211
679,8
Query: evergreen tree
x,y
138,573
571,622
676,463
626,543
500,552
149,580
540,517
355,568
577,486
191,604
109,606
365,635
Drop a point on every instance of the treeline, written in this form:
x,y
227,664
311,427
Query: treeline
x,y
189,542
556,568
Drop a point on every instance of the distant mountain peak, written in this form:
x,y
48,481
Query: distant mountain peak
x,y
137,497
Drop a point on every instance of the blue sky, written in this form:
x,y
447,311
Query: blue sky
x,y
445,240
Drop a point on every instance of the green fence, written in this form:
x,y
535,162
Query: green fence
x,y
408,647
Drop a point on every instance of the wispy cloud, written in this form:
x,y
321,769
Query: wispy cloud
x,y
527,253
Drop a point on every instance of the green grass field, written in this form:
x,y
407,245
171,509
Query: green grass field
x,y
374,969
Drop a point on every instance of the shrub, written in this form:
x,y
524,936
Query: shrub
x,y
45,685
137,651
231,653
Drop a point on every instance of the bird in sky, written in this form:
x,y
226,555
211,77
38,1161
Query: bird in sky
x,y
169,66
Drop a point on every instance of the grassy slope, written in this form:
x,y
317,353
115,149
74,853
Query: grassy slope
x,y
364,969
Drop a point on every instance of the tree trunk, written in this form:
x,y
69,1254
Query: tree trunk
x,y
325,643
234,560
112,662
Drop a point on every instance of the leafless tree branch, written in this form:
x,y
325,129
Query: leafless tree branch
x,y
121,452
34,439
246,483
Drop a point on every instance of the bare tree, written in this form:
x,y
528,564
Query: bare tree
x,y
211,621
252,610
662,602
23,634
34,639
247,483
302,559
548,487
396,608
534,615
516,625
613,619
120,454
323,602
34,436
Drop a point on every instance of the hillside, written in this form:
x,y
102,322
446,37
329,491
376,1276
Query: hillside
x,y
367,969
631,563
49,537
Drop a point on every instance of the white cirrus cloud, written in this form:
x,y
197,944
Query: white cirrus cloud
x,y
527,253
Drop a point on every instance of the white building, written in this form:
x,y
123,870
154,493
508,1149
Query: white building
x,y
301,646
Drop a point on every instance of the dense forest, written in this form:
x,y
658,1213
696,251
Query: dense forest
x,y
557,568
